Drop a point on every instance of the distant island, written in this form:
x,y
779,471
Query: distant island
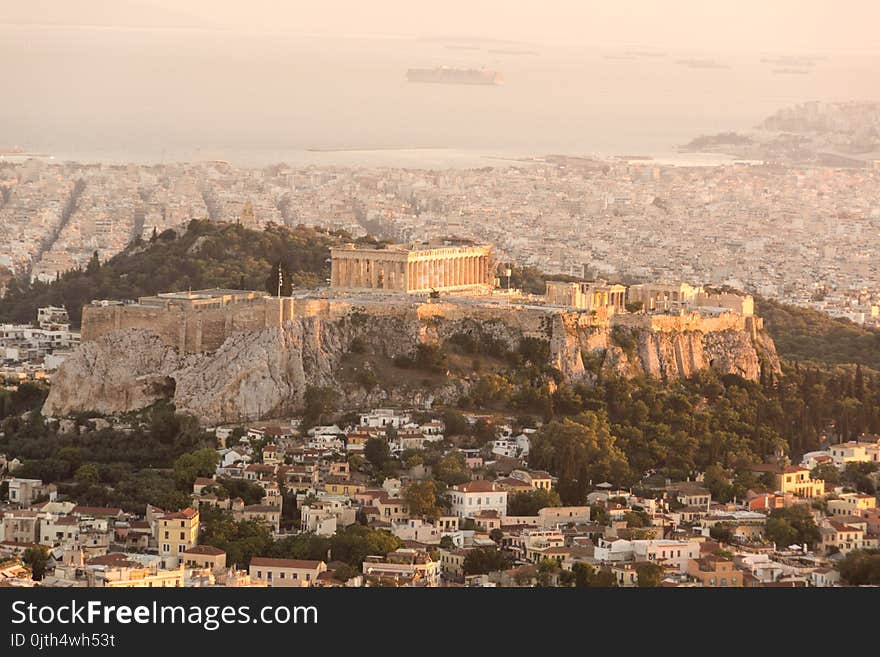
x,y
842,134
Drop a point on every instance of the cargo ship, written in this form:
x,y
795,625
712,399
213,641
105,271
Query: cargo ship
x,y
447,75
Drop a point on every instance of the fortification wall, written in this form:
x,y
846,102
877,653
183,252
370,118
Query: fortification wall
x,y
187,330
197,330
682,323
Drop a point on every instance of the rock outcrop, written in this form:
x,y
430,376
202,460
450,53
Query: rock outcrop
x,y
266,372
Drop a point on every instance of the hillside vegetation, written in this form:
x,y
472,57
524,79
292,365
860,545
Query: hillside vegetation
x,y
803,334
204,255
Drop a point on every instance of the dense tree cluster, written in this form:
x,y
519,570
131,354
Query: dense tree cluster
x,y
206,254
155,460
804,334
621,429
244,539
861,568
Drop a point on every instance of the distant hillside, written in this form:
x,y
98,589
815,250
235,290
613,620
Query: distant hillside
x,y
206,255
803,334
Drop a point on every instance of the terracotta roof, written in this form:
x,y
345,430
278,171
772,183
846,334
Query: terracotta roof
x,y
96,510
476,486
184,514
302,564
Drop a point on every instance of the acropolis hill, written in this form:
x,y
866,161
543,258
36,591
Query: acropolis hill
x,y
227,355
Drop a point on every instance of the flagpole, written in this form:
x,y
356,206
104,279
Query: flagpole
x,y
280,304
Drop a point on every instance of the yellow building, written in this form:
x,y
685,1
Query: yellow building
x,y
339,487
178,532
852,504
797,481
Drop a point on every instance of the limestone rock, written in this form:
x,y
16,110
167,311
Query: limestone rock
x,y
121,371
266,372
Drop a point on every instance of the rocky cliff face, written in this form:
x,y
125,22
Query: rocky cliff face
x,y
266,372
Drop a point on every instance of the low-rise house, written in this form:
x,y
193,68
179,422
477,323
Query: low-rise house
x,y
845,536
715,572
55,530
381,418
334,486
20,526
135,536
205,556
447,523
418,530
690,494
414,439
536,479
391,509
793,479
824,577
406,566
852,504
25,491
472,497
855,452
452,562
286,572
626,573
270,515
327,515
120,570
745,525
552,516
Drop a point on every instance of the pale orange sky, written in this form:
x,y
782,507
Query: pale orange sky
x,y
747,25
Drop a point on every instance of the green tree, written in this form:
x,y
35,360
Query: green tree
x,y
827,472
356,542
649,575
794,525
189,466
528,503
861,568
421,499
547,570
583,574
455,423
87,474
318,404
36,558
482,560
581,452
377,452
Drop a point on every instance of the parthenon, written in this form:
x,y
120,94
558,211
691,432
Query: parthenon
x,y
413,269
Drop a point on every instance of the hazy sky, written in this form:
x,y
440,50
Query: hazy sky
x,y
766,25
